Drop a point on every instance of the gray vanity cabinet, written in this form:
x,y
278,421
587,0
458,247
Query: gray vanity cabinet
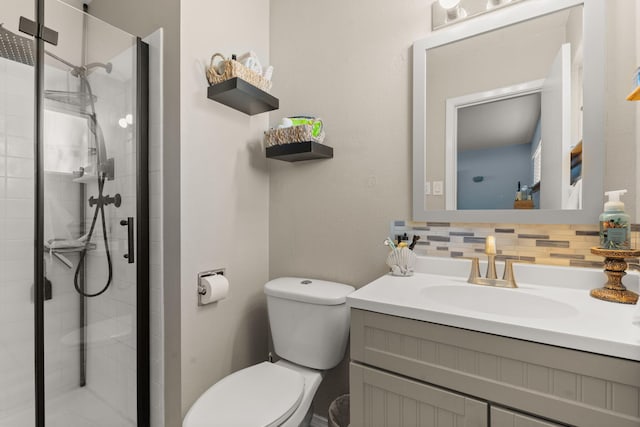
x,y
415,373
501,417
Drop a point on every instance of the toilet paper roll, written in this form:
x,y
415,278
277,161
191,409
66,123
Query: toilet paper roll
x,y
215,288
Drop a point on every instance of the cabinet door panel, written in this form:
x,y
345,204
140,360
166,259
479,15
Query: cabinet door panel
x,y
380,399
501,417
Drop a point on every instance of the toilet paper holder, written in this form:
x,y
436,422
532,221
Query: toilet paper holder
x,y
201,289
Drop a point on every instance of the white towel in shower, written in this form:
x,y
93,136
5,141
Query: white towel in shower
x,y
574,201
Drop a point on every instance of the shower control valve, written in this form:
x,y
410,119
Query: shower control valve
x,y
106,200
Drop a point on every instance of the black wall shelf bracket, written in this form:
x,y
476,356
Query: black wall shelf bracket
x,y
298,151
242,96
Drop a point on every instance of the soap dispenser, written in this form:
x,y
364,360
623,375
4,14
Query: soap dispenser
x,y
615,230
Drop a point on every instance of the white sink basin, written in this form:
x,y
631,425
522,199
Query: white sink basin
x,y
505,302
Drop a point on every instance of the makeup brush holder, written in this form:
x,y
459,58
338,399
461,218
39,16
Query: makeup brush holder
x,y
401,261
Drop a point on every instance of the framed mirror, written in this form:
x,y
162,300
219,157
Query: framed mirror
x,y
508,116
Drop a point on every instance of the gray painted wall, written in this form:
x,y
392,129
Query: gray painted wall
x,y
351,65
224,196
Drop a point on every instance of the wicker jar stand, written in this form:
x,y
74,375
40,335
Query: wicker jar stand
x,y
614,267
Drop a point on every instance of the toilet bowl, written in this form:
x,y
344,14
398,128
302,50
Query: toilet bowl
x,y
310,328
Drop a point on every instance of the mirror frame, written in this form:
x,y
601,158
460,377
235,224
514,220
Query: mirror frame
x,y
594,21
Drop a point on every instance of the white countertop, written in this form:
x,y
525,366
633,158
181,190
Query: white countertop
x,y
561,313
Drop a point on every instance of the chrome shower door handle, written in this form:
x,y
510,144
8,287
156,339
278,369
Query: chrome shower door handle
x,y
130,255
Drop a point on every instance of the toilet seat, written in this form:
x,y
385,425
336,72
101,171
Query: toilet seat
x,y
263,395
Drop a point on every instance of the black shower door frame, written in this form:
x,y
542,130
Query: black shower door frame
x,y
142,226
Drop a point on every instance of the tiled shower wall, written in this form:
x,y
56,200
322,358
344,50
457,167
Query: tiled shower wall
x,y
551,244
16,237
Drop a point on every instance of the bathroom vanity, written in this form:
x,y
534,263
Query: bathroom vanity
x,y
434,350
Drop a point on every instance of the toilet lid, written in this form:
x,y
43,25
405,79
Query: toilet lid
x,y
262,395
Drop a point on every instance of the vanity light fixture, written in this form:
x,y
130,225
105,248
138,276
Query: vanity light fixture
x,y
448,12
492,4
453,10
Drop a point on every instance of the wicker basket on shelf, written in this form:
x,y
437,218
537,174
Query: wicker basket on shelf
x,y
232,68
291,135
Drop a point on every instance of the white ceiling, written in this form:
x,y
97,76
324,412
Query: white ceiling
x,y
495,124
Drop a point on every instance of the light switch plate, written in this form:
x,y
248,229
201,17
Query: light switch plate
x,y
437,188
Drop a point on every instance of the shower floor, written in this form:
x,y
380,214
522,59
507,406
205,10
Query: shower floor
x,y
77,408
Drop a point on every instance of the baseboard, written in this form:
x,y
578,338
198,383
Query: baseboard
x,y
318,421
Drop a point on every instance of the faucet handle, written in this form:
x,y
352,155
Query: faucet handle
x,y
508,275
474,273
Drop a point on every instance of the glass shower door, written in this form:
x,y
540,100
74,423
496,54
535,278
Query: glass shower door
x,y
90,212
17,92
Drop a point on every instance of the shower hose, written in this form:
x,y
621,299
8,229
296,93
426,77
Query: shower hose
x,y
98,210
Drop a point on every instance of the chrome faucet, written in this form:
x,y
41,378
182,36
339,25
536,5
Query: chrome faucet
x,y
491,279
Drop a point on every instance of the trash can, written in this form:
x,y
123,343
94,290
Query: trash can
x,y
339,412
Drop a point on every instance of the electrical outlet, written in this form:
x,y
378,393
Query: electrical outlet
x,y
427,188
437,188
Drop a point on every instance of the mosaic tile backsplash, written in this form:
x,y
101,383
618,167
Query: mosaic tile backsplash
x,y
551,244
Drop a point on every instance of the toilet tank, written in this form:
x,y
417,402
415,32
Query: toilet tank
x,y
309,320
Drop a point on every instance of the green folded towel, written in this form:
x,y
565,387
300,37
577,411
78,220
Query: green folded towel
x,y
316,124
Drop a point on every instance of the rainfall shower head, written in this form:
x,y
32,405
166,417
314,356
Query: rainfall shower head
x,y
15,47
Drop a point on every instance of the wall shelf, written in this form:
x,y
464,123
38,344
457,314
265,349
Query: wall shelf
x,y
298,151
242,96
635,95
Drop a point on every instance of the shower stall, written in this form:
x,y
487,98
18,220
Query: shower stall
x,y
74,227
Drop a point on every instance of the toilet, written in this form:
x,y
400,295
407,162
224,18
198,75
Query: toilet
x,y
309,322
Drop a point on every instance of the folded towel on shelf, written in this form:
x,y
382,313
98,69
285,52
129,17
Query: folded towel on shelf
x,y
315,123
